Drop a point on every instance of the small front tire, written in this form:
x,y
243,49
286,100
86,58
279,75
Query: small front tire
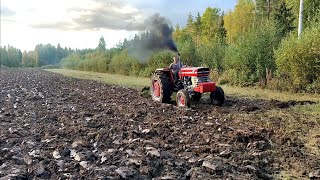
x,y
217,97
183,99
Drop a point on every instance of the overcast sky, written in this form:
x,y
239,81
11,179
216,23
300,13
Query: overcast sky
x,y
80,23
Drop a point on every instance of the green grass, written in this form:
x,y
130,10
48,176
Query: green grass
x,y
121,80
259,93
310,110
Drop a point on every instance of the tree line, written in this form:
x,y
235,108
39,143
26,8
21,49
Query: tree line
x,y
42,55
254,44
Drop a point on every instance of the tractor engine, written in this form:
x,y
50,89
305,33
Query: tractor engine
x,y
196,79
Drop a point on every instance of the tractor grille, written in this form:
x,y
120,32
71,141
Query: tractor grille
x,y
199,79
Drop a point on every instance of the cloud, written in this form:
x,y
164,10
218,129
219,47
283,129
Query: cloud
x,y
113,15
128,15
56,25
110,19
6,12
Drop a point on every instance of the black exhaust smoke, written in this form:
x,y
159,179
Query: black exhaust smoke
x,y
160,34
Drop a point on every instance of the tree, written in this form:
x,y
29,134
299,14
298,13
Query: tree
x,y
212,55
51,54
198,31
265,8
188,53
310,12
298,61
4,55
181,35
60,53
313,10
249,58
197,23
283,20
24,58
14,57
209,24
136,38
176,33
37,54
222,32
28,59
102,44
190,27
240,20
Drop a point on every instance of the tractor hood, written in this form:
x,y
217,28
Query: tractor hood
x,y
195,71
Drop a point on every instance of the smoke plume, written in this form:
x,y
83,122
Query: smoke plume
x,y
157,36
160,34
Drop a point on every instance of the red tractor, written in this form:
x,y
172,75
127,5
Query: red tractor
x,y
192,83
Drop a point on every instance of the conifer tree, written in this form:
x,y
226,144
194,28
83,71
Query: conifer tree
x,y
283,20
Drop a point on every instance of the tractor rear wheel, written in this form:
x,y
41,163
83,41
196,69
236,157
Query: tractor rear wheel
x,y
160,88
217,97
183,99
196,96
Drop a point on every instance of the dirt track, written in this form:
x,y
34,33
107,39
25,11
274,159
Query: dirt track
x,y
56,127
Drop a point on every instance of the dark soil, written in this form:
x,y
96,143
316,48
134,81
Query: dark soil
x,y
54,127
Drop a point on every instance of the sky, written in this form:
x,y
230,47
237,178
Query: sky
x,y
81,23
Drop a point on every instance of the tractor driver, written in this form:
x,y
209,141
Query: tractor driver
x,y
175,67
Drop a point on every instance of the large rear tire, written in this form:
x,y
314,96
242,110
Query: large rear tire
x,y
160,88
183,99
217,97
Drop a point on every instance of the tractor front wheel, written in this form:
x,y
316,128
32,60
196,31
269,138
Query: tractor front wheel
x,y
217,97
183,99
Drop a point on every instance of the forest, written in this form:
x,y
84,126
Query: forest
x,y
255,44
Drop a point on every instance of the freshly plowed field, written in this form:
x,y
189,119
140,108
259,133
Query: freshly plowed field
x,y
54,127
